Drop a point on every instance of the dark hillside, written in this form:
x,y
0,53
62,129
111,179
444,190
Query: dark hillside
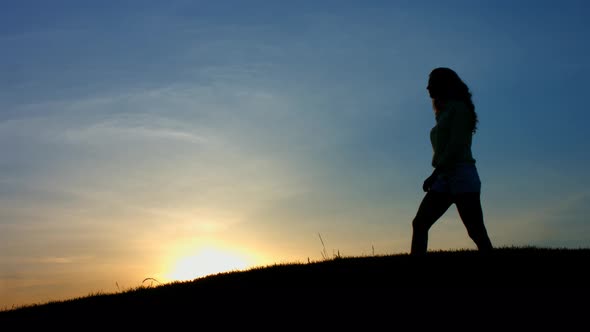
x,y
510,280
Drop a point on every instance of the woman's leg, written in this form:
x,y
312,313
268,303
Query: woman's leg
x,y
432,207
470,211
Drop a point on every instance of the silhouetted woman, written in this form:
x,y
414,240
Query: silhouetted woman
x,y
455,179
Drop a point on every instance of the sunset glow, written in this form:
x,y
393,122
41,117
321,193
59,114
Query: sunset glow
x,y
206,261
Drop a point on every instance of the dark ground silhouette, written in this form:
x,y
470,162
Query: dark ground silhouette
x,y
526,285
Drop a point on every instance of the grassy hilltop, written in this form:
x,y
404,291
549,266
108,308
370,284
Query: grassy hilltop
x,y
454,282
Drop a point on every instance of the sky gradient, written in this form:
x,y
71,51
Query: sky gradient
x,y
175,139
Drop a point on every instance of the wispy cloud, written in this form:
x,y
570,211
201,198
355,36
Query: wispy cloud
x,y
116,130
57,260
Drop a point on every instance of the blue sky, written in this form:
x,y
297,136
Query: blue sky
x,y
172,139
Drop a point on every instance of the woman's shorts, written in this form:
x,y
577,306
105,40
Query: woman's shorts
x,y
463,178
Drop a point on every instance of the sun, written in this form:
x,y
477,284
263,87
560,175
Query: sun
x,y
206,261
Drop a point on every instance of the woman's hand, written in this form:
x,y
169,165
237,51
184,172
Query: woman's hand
x,y
430,181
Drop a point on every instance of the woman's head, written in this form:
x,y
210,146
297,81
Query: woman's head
x,y
443,85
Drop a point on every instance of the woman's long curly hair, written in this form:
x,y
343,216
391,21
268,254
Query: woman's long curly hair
x,y
443,85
